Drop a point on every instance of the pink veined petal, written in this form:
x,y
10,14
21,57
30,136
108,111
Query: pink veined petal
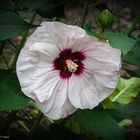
x,y
34,71
62,34
57,113
56,33
104,64
82,94
104,84
103,58
46,86
104,88
58,106
85,43
35,87
49,51
97,51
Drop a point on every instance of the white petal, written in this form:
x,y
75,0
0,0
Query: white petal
x,y
104,84
44,88
82,94
58,106
34,71
98,51
49,51
56,33
103,62
103,57
85,43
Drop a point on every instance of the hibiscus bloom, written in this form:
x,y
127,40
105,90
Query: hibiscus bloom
x,y
62,69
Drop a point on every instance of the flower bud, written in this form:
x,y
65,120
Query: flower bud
x,y
105,19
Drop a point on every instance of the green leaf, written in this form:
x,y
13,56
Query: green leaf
x,y
45,8
126,90
120,41
88,29
92,32
100,123
12,25
51,10
6,4
133,57
134,73
4,74
107,103
73,125
125,122
131,111
59,132
117,114
11,97
128,111
32,5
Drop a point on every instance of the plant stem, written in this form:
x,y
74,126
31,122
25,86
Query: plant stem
x,y
12,43
102,30
26,114
4,60
84,13
22,43
35,124
2,45
134,23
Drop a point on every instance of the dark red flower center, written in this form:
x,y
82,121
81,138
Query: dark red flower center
x,y
69,63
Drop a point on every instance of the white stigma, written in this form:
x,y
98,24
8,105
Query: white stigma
x,y
72,67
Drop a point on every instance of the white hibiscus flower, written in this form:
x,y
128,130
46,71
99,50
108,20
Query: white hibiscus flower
x,y
62,69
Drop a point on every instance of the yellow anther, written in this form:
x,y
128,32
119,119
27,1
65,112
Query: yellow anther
x,y
72,67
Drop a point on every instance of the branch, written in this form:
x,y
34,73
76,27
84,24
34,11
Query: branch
x,y
84,12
